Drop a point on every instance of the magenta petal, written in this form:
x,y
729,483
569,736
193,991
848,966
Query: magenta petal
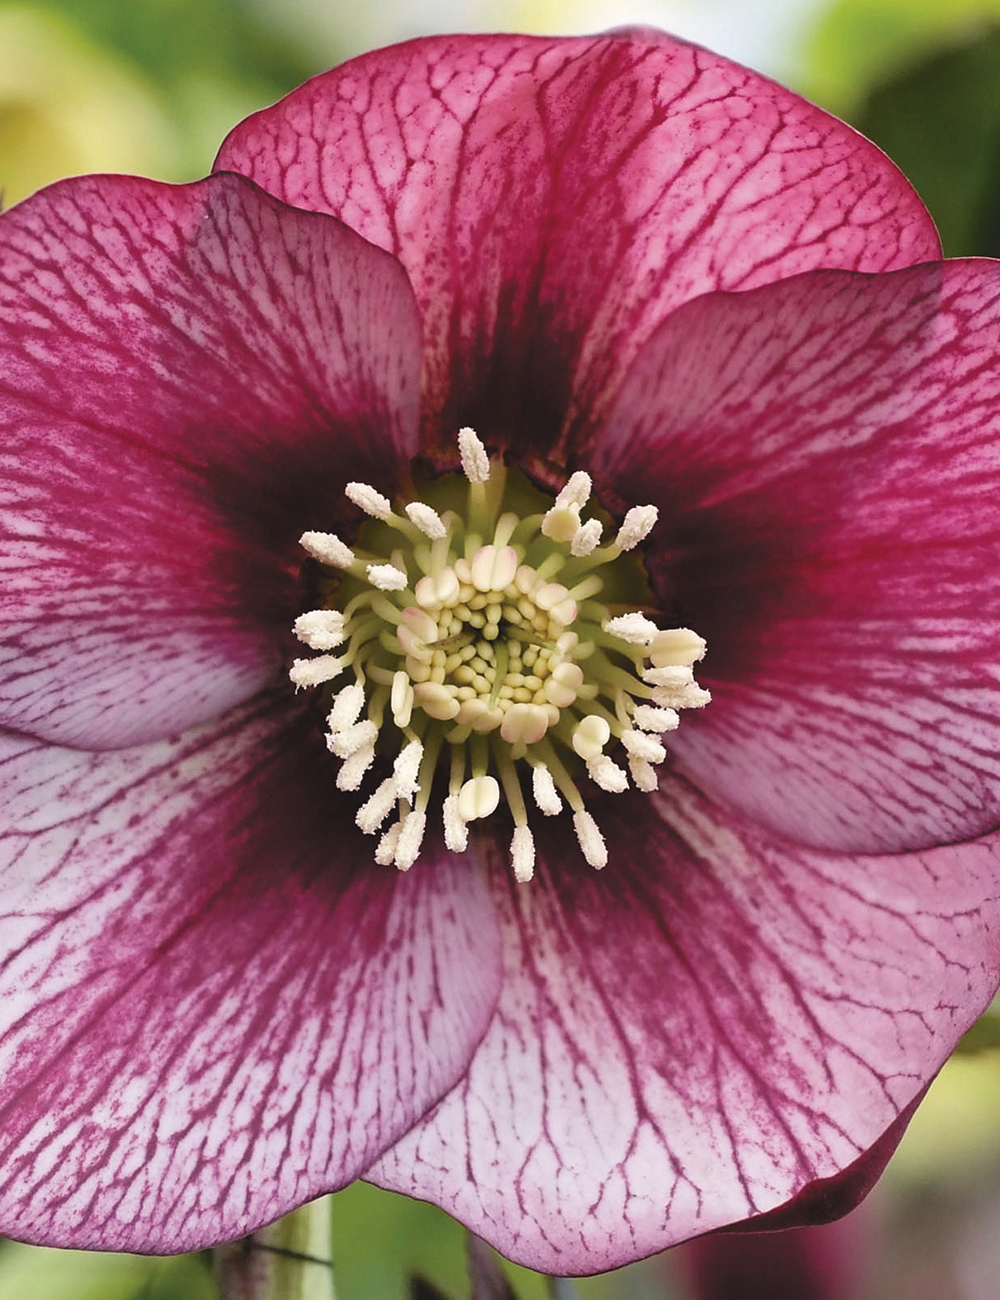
x,y
553,199
824,453
700,1032
214,1005
188,375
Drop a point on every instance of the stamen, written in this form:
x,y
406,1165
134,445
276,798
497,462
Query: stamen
x,y
587,538
544,790
607,774
577,490
346,707
634,628
328,549
352,770
522,854
360,735
677,645
427,520
475,460
637,524
644,746
313,672
386,851
367,499
320,629
406,769
655,719
410,838
386,577
643,774
456,833
377,807
595,851
478,798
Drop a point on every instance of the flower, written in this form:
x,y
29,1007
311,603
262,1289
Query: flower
x,y
621,257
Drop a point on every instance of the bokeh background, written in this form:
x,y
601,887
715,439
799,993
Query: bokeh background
x,y
152,86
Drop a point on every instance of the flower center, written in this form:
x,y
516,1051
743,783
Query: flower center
x,y
480,650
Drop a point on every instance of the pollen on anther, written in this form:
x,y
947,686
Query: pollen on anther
x,y
586,539
475,460
367,499
637,524
456,832
522,854
544,789
427,520
320,629
592,844
328,549
635,628
386,577
313,672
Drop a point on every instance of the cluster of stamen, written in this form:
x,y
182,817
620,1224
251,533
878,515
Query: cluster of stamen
x,y
469,656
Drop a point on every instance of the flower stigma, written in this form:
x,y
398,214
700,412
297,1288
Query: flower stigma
x,y
495,646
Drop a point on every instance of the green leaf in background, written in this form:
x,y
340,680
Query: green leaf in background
x,y
860,43
941,123
985,1033
34,1273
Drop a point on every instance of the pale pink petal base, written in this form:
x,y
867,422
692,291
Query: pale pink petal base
x,y
188,376
697,1034
214,1005
553,199
825,453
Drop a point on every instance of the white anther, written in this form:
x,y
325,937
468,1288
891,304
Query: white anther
x,y
478,798
411,836
475,461
562,685
587,538
386,851
643,773
328,549
358,736
386,577
438,589
352,771
427,520
607,774
692,696
313,672
478,715
456,833
522,854
406,769
320,629
437,701
659,720
544,790
643,744
673,675
415,631
577,490
493,567
401,699
591,840
347,707
549,595
561,523
591,735
635,628
636,525
526,723
377,807
367,499
676,645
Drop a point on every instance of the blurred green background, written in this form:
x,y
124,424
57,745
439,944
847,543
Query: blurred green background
x,y
152,86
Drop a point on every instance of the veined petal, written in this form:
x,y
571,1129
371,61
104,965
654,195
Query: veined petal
x,y
188,375
778,1010
824,453
213,1005
553,199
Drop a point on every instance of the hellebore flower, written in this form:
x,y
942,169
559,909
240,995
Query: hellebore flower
x,y
630,267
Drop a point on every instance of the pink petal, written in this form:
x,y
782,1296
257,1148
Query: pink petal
x,y
824,453
214,1005
188,375
700,1032
553,199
